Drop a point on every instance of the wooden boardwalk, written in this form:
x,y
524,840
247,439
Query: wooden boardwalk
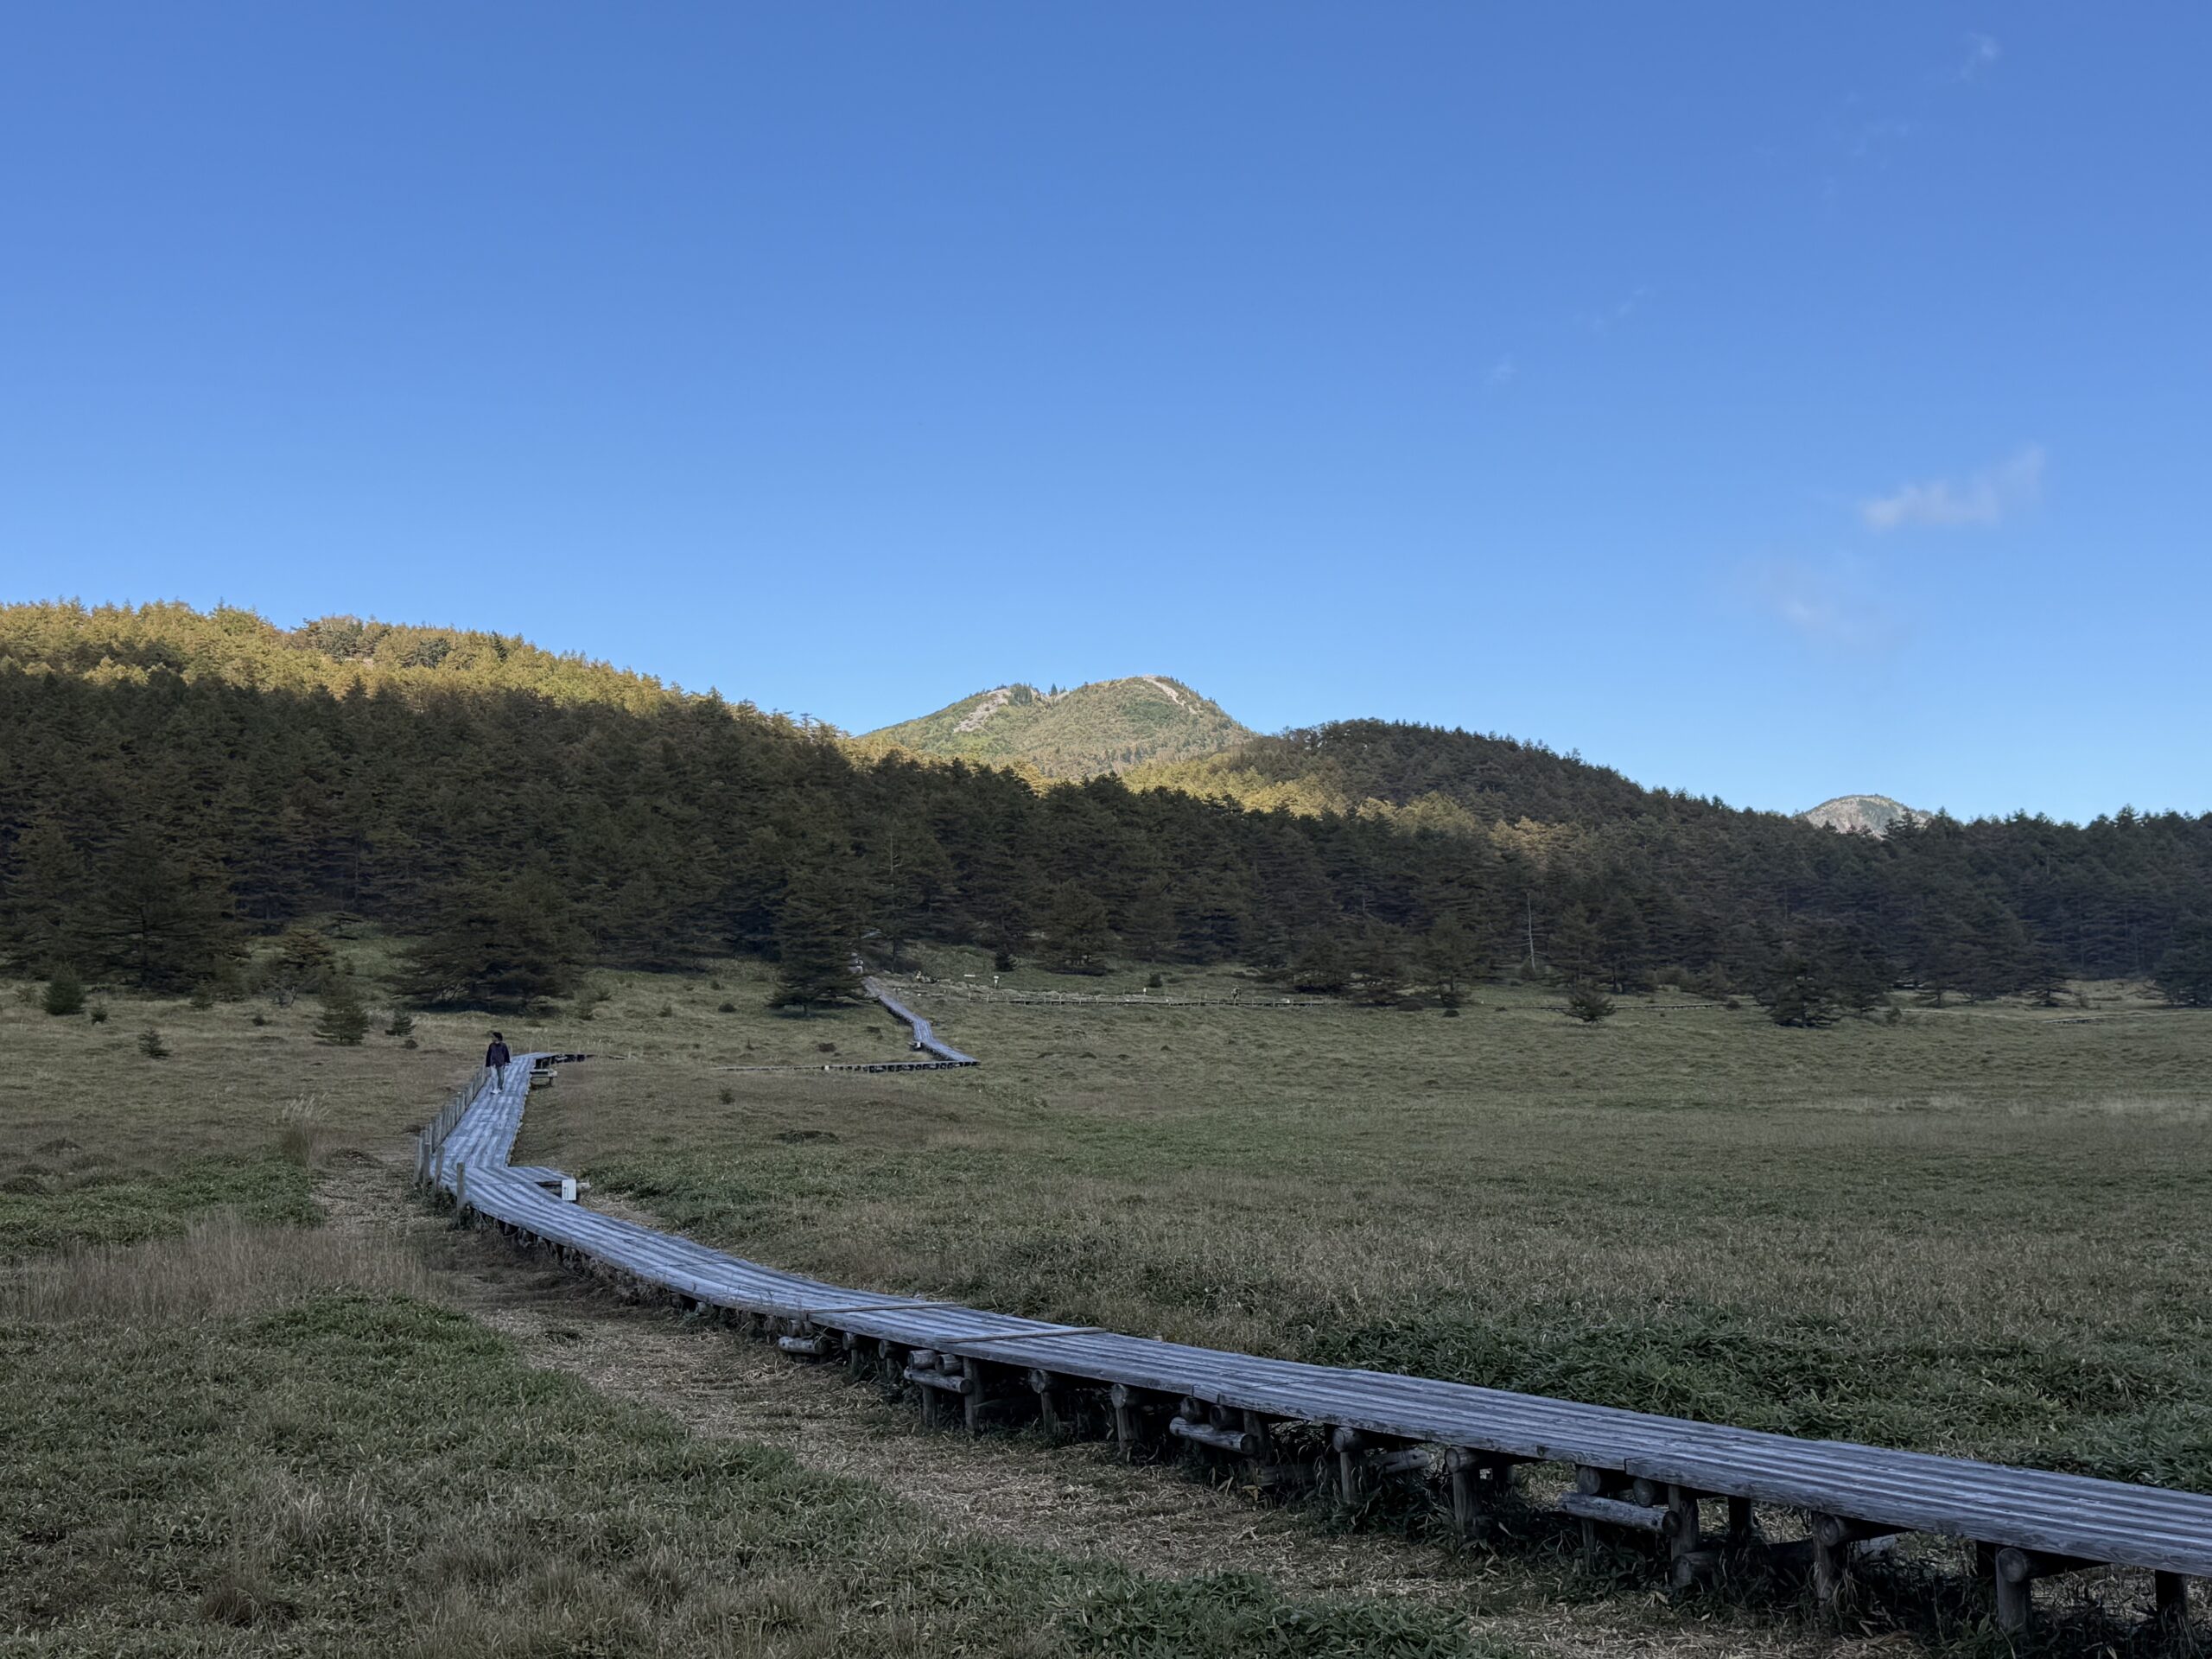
x,y
926,1041
1692,1486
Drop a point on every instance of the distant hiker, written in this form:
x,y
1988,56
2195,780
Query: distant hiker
x,y
496,1058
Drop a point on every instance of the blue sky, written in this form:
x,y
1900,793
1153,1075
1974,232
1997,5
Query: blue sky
x,y
1769,401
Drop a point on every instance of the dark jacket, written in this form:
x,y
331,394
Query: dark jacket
x,y
497,1055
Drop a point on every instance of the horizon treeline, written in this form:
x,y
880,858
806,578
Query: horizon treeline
x,y
171,788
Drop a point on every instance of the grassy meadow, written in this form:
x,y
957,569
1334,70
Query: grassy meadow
x,y
232,1429
350,1467
1976,1229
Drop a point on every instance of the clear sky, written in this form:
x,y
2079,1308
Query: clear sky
x,y
1769,400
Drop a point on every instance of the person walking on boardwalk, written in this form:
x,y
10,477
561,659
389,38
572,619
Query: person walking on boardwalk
x,y
496,1058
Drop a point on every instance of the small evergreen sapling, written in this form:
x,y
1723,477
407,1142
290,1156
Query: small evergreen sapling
x,y
65,993
1589,1004
344,1020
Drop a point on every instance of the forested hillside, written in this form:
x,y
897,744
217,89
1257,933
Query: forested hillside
x,y
1106,726
1426,775
165,796
113,643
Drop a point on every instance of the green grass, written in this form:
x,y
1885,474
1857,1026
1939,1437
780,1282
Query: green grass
x,y
60,1196
109,1146
1976,1231
346,1470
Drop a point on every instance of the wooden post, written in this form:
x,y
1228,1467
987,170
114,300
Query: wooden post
x,y
2170,1591
1125,1420
928,1398
972,1369
2015,1585
1478,1479
1685,1537
1264,1446
1349,1444
1593,1482
1834,1536
461,1187
2017,1572
1743,1531
1046,1388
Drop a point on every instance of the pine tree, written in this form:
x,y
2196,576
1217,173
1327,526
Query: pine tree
x,y
344,1020
164,917
65,993
1799,993
495,943
42,915
1321,965
1380,962
1075,930
1448,959
2185,971
304,965
814,945
1588,1004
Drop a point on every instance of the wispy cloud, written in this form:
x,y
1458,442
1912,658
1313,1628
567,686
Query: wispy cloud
x,y
1614,315
1876,140
1984,499
1982,50
1829,606
1501,373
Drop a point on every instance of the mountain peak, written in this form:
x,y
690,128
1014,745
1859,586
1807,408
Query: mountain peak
x,y
1871,814
1105,726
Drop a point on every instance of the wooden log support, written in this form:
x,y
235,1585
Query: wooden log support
x,y
1236,1442
1123,1401
1365,1461
934,1385
1261,1469
1053,1413
1131,1408
1590,1481
2017,1570
2015,1603
1832,1540
818,1346
1742,1532
1478,1480
1689,1558
1408,1460
971,1394
2170,1602
1593,1482
891,1358
1347,1444
1616,1512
